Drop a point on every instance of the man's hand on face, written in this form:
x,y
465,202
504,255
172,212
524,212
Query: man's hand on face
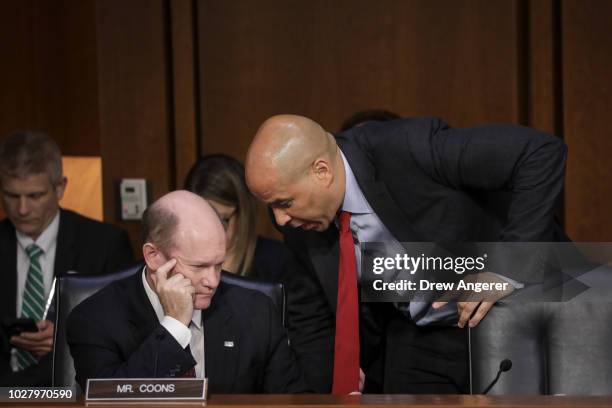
x,y
476,305
175,293
38,343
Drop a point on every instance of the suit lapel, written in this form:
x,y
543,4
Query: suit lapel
x,y
324,256
66,240
221,343
389,213
8,268
376,192
142,315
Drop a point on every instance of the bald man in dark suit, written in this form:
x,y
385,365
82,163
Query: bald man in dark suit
x,y
407,180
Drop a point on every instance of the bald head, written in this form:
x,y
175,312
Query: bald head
x,y
285,146
181,214
294,162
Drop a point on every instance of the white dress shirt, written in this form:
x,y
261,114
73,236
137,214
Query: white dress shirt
x,y
192,336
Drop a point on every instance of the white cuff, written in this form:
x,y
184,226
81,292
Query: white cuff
x,y
178,330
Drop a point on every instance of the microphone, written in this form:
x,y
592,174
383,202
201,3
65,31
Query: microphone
x,y
505,365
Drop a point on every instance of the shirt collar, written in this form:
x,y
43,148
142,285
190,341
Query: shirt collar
x,y
157,306
354,200
45,240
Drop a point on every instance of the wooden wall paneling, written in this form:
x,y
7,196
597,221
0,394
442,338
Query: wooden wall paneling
x,y
543,63
18,70
184,87
48,71
543,80
326,60
79,84
252,65
457,60
135,127
587,102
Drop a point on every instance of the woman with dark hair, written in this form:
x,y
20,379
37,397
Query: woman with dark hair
x,y
219,179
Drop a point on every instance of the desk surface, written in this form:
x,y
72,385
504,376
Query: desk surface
x,y
372,401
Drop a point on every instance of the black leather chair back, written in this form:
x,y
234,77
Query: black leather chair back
x,y
555,347
516,332
274,290
73,289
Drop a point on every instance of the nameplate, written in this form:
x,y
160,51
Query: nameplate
x,y
122,389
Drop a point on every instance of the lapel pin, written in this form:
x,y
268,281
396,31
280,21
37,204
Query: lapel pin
x,y
228,343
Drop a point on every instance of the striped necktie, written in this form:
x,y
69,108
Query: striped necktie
x,y
33,303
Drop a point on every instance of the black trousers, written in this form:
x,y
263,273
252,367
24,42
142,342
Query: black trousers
x,y
424,360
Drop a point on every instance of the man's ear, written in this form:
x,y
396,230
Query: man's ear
x,y
60,188
153,257
322,171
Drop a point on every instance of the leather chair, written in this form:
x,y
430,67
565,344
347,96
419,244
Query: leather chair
x,y
274,290
72,290
555,347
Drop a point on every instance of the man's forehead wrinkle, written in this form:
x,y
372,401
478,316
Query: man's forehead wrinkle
x,y
188,261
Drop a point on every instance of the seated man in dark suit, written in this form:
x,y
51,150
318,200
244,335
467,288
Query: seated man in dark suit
x,y
177,318
38,241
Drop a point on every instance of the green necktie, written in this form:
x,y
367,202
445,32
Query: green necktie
x,y
33,304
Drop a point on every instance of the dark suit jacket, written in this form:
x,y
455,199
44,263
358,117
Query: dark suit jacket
x,y
83,245
431,183
115,333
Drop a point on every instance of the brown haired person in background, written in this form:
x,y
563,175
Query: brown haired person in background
x,y
39,240
219,179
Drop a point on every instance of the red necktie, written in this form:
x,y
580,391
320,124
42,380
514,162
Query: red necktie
x,y
346,350
189,373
